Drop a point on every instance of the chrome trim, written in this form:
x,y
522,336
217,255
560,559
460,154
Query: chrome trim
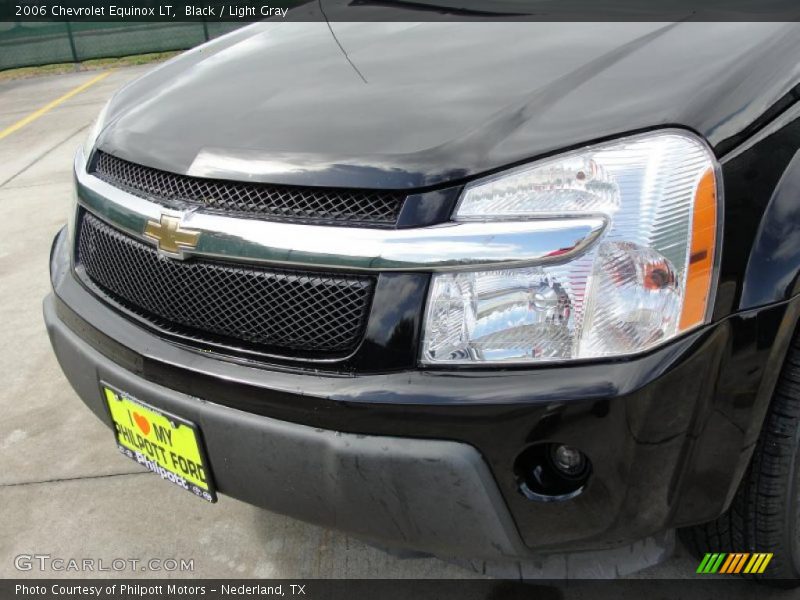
x,y
446,247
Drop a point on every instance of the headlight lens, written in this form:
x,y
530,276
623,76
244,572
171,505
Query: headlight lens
x,y
94,131
647,279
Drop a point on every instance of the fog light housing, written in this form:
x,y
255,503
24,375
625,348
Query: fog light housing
x,y
552,472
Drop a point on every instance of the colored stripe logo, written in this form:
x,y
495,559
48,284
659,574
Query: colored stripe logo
x,y
734,562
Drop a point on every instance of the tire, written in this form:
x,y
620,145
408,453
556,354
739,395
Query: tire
x,y
765,513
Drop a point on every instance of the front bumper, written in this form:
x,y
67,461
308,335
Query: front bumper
x,y
377,486
424,459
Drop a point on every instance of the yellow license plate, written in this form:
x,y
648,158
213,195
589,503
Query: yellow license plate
x,y
167,445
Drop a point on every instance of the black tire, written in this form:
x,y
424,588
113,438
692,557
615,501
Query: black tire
x,y
765,513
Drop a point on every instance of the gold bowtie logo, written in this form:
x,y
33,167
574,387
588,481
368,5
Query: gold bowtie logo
x,y
170,237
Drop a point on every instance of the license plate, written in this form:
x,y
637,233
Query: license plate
x,y
167,445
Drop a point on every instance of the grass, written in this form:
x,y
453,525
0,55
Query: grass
x,y
87,65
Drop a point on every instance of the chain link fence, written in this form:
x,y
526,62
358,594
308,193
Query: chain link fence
x,y
25,44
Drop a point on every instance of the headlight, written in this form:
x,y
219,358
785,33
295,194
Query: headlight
x,y
94,132
646,280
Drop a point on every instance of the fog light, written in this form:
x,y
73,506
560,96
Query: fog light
x,y
568,460
552,472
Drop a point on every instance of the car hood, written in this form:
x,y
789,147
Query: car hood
x,y
410,105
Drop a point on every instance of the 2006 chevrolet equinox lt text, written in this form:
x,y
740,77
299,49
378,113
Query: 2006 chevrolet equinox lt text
x,y
491,291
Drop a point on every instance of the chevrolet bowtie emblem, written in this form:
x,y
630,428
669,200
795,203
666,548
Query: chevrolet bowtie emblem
x,y
171,239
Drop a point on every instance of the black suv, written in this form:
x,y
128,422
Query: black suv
x,y
488,290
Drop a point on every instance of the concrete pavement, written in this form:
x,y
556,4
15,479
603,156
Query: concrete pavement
x,y
64,489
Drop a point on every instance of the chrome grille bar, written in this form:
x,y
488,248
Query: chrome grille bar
x,y
446,247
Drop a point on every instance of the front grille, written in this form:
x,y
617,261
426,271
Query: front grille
x,y
296,203
207,300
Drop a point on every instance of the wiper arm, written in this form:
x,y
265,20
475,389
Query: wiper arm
x,y
338,43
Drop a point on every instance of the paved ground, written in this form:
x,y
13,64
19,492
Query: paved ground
x,y
64,489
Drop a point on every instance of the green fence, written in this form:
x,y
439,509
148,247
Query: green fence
x,y
25,44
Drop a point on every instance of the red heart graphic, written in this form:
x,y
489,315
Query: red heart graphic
x,y
143,423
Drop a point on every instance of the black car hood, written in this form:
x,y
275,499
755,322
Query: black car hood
x,y
404,105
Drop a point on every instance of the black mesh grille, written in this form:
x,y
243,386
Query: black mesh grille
x,y
319,205
316,312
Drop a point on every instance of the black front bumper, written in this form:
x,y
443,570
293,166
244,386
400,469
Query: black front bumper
x,y
424,459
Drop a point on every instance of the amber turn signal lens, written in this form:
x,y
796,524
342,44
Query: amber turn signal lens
x,y
701,254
